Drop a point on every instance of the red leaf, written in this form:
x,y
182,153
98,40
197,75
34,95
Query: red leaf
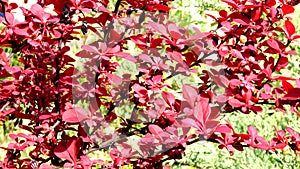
x,y
155,129
241,19
126,56
187,122
252,131
287,9
283,78
282,63
280,145
296,37
270,2
74,116
286,85
114,36
69,71
189,94
68,59
159,28
256,14
89,48
173,30
45,166
289,28
61,152
10,18
293,94
161,7
223,129
156,42
169,98
72,148
38,11
114,78
231,3
264,144
253,134
202,110
178,58
58,5
67,151
235,103
256,109
273,44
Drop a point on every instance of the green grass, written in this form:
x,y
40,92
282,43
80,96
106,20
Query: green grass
x,y
207,155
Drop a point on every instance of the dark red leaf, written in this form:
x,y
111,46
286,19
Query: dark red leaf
x,y
287,9
90,48
155,129
223,129
293,94
202,110
286,85
273,44
256,14
67,150
169,98
235,102
231,3
159,28
282,63
289,28
270,2
256,109
62,152
189,94
173,30
74,116
45,166
263,144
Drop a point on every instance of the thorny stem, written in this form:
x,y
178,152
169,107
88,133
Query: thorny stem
x,y
192,65
274,68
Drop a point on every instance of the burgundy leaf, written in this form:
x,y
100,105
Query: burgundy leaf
x,y
45,166
159,28
223,129
173,30
273,44
74,115
256,14
235,102
287,9
189,94
126,56
282,63
62,152
286,85
264,145
169,98
91,49
155,130
202,110
256,109
231,3
293,94
289,28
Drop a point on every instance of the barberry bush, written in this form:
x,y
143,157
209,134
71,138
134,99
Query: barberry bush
x,y
119,94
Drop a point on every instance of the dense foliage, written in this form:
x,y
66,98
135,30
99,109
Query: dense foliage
x,y
139,117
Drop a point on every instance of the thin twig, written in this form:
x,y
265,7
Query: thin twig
x,y
4,106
